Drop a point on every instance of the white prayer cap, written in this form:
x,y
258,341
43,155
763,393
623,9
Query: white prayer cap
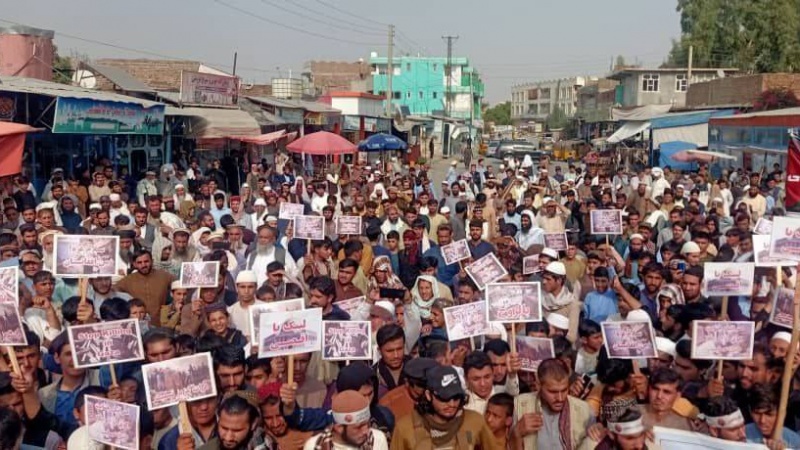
x,y
267,188
245,185
638,315
444,210
95,206
558,321
657,171
180,186
556,268
260,202
453,163
217,234
665,345
271,219
783,336
637,236
246,276
384,309
550,253
690,247
176,285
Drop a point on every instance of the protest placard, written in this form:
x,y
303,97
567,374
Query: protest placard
x,y
78,256
485,270
346,340
530,264
465,321
290,333
606,221
556,241
349,225
357,307
177,380
763,227
785,238
728,279
761,253
712,339
455,251
101,343
309,227
112,423
201,274
514,302
294,304
675,439
629,340
290,210
533,350
9,285
782,313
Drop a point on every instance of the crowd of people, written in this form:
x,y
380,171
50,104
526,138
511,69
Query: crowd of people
x,y
420,391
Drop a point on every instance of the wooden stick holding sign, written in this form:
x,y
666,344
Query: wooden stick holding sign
x,y
786,380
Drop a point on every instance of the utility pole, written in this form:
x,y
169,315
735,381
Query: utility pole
x,y
389,72
689,69
449,73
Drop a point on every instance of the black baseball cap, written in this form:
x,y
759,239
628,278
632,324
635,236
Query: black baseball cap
x,y
417,368
444,383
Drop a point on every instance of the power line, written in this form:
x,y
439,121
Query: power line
x,y
293,28
354,24
320,21
355,16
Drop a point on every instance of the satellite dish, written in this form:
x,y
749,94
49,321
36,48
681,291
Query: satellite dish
x,y
720,73
84,79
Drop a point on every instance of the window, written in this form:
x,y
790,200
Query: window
x,y
421,95
681,83
435,67
435,95
650,82
408,67
408,94
396,95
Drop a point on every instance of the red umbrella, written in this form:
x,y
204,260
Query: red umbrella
x,y
322,143
12,143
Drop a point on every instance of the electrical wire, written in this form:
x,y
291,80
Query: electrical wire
x,y
320,21
347,13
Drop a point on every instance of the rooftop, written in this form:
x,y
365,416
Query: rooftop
x,y
622,72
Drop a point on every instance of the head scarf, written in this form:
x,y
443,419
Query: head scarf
x,y
392,281
424,306
185,211
202,250
159,244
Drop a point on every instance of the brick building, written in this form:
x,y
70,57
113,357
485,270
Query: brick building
x,y
332,76
742,91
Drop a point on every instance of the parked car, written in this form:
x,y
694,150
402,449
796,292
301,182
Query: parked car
x,y
517,149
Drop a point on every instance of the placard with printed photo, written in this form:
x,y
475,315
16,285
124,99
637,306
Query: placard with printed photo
x,y
556,241
290,333
356,307
349,225
785,238
290,210
530,264
485,270
465,321
532,351
85,256
782,313
455,251
112,423
629,340
9,285
728,279
763,227
606,221
294,304
176,380
714,339
514,302
201,274
761,252
309,227
346,340
101,343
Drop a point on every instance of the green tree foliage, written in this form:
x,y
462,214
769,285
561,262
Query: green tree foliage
x,y
753,35
557,119
62,68
500,114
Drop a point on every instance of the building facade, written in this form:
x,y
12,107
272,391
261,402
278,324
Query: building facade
x,y
641,87
537,100
420,84
742,91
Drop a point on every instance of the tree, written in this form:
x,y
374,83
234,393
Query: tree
x,y
557,119
778,98
62,68
500,114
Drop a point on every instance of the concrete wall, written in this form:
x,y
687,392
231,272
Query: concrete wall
x,y
158,74
743,90
24,55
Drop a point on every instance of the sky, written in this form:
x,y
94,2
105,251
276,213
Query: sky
x,y
508,41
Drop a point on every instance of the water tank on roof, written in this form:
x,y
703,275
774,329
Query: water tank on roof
x,y
26,52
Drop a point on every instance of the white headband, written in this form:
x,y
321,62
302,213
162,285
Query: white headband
x,y
626,428
341,418
732,420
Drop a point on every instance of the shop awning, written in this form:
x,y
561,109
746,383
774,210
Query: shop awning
x,y
31,86
628,129
696,134
12,142
262,139
216,123
121,78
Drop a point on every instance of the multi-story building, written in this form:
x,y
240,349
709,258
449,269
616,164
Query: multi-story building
x,y
337,76
420,83
537,100
641,87
595,102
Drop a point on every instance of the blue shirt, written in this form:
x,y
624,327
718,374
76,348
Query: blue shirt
x,y
754,436
482,249
65,404
599,306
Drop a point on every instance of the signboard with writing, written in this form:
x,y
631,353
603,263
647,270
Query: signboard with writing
x,y
466,320
78,256
712,339
485,270
721,279
309,227
761,252
674,439
455,251
785,238
357,307
530,264
87,116
782,313
514,302
346,340
532,351
629,340
176,380
556,241
200,274
290,210
208,89
350,225
97,344
295,304
606,221
112,423
290,333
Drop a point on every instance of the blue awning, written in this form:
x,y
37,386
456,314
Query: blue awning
x,y
687,118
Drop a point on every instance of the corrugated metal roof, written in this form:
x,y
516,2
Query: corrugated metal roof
x,y
33,86
211,123
774,112
295,104
121,78
26,30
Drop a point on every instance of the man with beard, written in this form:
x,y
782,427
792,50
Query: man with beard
x,y
239,214
146,187
102,225
551,418
409,259
478,248
149,284
181,252
440,420
101,290
237,427
351,426
127,247
265,251
553,217
529,235
756,203
691,283
276,280
393,222
70,219
146,232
